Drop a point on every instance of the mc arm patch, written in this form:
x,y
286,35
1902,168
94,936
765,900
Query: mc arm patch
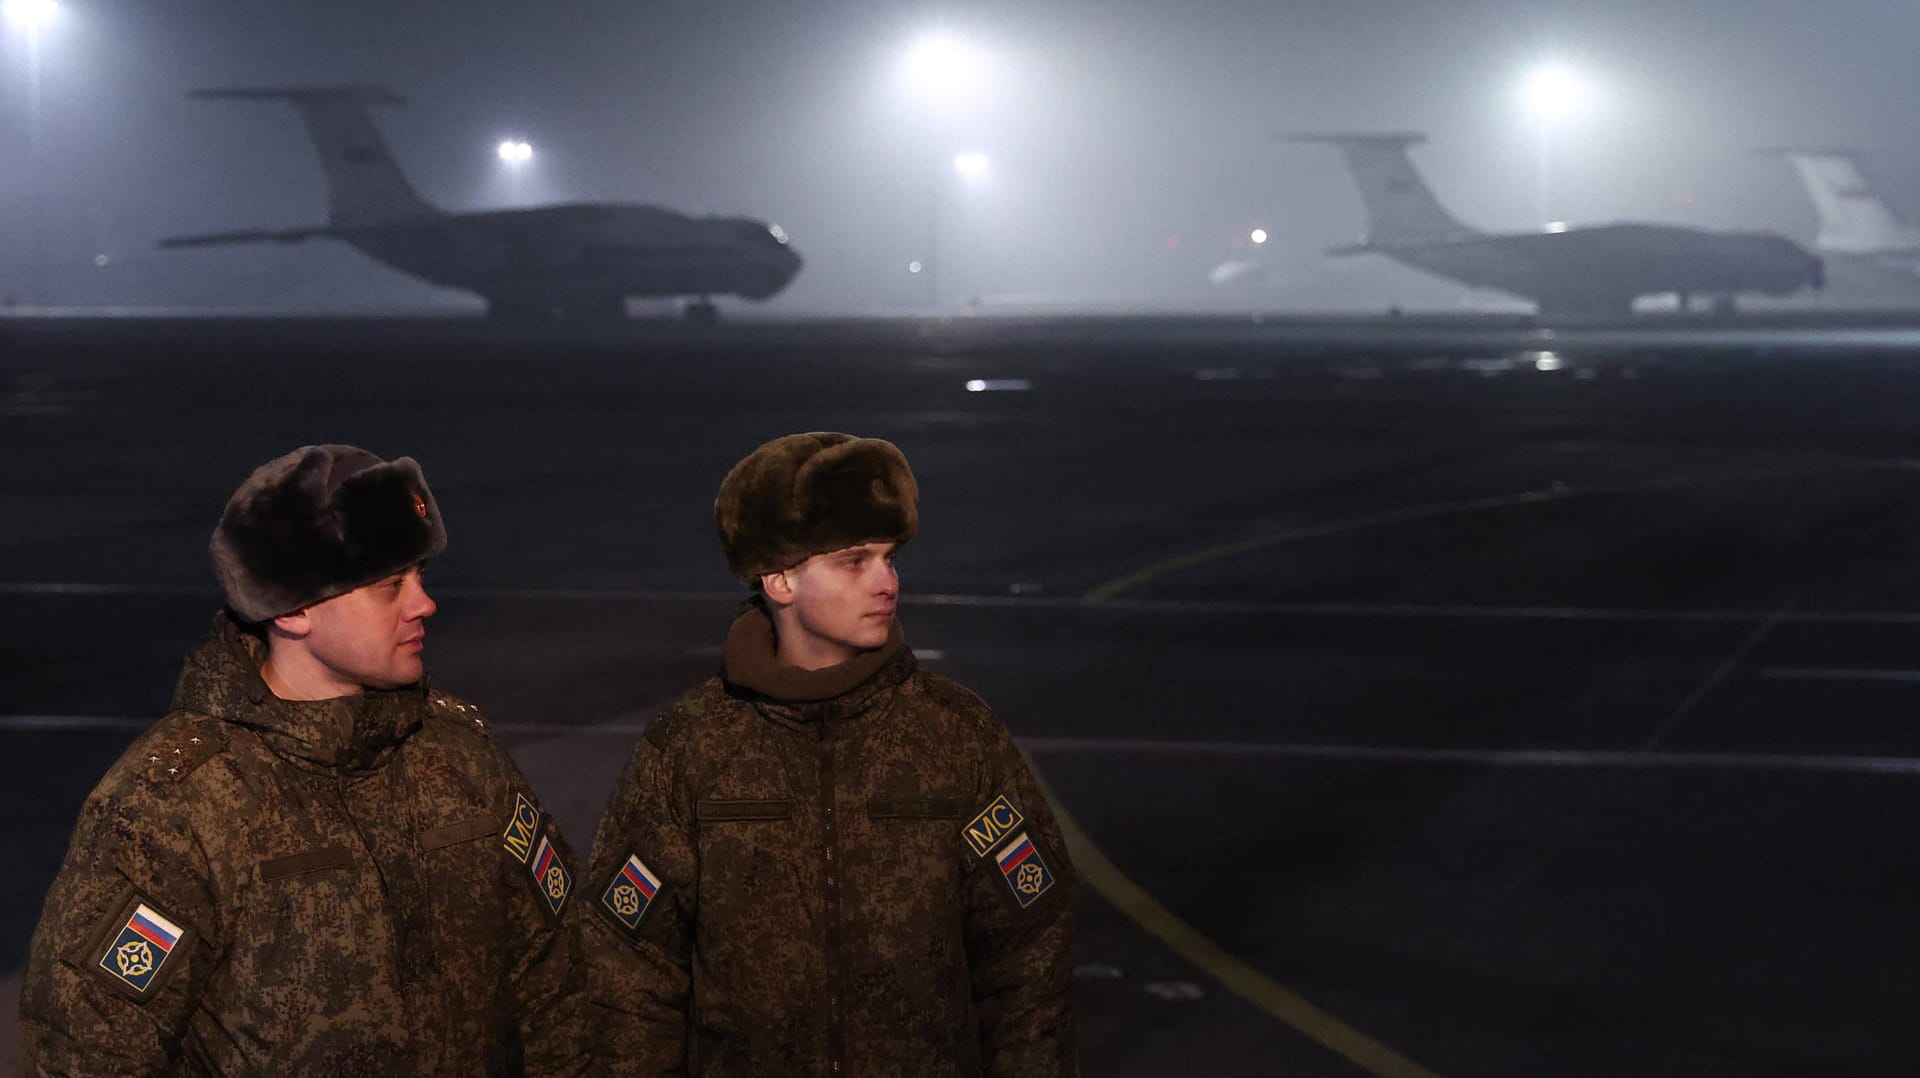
x,y
522,827
994,823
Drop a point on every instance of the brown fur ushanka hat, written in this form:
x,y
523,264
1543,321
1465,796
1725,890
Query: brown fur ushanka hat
x,y
320,522
808,494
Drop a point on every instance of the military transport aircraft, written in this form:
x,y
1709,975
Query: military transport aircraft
x,y
1854,220
1582,270
577,260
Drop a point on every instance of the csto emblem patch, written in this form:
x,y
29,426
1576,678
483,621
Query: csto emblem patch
x,y
139,951
551,874
630,892
1025,872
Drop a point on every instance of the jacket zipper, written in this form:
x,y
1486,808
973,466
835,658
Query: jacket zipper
x,y
398,956
836,1033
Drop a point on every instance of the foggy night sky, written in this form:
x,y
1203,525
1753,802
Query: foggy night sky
x,y
1111,127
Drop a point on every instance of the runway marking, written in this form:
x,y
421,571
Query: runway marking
x,y
99,723
1103,593
30,723
1102,746
1720,674
1567,759
1099,871
1413,611
1802,673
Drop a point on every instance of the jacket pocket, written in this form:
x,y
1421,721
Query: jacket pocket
x,y
914,808
297,864
463,831
765,809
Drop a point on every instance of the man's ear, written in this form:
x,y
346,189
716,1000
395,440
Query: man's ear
x,y
297,624
778,587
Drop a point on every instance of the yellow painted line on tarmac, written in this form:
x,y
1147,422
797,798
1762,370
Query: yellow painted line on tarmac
x,y
1112,589
1098,870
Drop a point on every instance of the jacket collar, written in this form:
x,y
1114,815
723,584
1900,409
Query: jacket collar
x,y
751,669
222,678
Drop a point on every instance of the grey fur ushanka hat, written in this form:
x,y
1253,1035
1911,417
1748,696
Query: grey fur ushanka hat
x,y
320,522
808,494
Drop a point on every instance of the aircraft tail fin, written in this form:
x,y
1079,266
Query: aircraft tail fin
x,y
1400,206
364,182
1853,218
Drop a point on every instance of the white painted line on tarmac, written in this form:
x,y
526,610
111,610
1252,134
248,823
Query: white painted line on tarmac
x,y
20,724
1591,759
1463,612
1807,673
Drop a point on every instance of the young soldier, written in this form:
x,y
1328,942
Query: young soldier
x,y
826,860
314,864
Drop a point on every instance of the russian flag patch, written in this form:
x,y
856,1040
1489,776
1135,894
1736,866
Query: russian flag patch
x,y
630,892
1024,869
550,873
139,951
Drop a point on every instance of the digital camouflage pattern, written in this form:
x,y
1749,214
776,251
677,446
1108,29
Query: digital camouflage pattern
x,y
830,896
331,887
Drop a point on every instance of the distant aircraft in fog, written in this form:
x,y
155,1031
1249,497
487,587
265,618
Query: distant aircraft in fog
x,y
1583,270
1853,219
580,259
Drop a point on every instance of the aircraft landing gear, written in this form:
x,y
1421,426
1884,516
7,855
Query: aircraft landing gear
x,y
702,312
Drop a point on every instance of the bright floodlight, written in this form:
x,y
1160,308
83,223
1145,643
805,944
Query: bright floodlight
x,y
943,65
1259,236
971,165
31,14
1554,91
515,152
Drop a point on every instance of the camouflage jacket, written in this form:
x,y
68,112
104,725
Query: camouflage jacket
x,y
847,871
342,887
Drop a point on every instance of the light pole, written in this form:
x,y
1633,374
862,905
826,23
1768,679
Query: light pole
x,y
516,156
971,168
944,73
1553,92
29,16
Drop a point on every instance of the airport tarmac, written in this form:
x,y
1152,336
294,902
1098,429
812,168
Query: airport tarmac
x,y
1427,696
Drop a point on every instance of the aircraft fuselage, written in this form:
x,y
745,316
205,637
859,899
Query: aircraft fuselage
x,y
1603,268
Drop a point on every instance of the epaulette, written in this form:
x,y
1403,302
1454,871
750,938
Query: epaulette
x,y
452,708
173,752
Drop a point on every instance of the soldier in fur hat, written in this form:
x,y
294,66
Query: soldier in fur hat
x,y
314,864
827,860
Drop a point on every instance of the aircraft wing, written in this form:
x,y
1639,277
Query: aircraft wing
x,y
285,235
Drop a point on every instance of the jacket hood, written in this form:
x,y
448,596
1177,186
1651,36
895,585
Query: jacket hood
x,y
359,733
751,668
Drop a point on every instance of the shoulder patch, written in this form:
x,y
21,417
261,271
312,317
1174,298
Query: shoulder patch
x,y
550,873
630,893
994,823
522,827
134,949
1024,869
172,754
